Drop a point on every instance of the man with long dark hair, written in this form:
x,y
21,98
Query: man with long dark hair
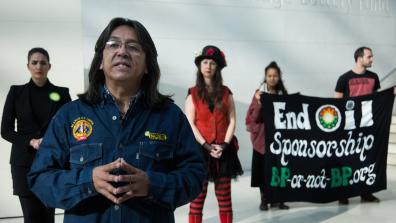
x,y
123,152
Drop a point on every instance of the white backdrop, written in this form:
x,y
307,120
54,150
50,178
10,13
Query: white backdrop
x,y
313,41
54,25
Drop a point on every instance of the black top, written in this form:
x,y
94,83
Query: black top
x,y
32,108
40,103
352,84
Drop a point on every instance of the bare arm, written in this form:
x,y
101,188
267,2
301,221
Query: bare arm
x,y
231,126
339,94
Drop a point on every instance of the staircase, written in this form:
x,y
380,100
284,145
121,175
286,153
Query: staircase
x,y
392,143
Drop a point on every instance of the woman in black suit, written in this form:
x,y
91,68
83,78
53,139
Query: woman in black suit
x,y
32,105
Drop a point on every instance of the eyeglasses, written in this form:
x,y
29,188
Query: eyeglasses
x,y
131,47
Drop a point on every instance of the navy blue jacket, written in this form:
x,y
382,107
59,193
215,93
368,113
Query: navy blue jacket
x,y
81,137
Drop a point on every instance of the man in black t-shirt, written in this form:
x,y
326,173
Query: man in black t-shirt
x,y
356,82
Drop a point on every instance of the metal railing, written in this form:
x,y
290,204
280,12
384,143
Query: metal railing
x,y
389,79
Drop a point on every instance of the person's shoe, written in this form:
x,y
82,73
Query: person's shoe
x,y
283,206
263,206
343,201
369,198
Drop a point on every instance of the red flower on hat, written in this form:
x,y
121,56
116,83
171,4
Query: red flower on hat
x,y
210,52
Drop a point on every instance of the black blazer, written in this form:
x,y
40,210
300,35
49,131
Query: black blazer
x,y
18,107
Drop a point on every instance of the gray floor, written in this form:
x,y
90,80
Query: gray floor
x,y
246,201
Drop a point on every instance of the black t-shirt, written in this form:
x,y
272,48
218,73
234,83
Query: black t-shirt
x,y
352,84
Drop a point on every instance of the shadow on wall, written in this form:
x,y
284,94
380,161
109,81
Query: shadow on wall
x,y
245,147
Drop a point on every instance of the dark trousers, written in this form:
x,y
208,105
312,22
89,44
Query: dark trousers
x,y
34,211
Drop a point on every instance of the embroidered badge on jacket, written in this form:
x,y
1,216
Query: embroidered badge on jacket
x,y
156,136
82,128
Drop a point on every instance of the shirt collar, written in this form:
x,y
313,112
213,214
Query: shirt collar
x,y
109,98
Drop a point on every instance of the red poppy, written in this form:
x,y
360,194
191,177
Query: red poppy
x,y
210,52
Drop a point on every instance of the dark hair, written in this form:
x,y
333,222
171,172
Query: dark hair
x,y
217,83
38,50
149,85
280,86
360,52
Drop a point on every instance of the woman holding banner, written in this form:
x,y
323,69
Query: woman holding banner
x,y
272,84
210,110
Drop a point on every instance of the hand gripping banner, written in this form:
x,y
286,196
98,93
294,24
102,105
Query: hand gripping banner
x,y
323,149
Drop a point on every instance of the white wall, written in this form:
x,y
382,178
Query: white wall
x,y
313,41
54,25
309,38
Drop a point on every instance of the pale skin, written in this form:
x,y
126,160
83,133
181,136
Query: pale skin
x,y
123,74
361,66
208,69
38,66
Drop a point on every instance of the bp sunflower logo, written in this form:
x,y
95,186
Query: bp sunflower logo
x,y
328,118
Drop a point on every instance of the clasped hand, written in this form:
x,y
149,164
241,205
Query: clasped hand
x,y
217,151
137,181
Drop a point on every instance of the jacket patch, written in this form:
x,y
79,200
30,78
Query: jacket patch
x,y
156,136
82,128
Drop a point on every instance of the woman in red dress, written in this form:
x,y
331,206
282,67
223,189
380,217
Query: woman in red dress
x,y
210,110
